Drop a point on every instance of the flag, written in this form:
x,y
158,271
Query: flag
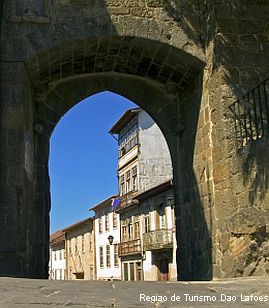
x,y
115,203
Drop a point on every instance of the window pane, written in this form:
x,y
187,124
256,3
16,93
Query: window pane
x,y
108,255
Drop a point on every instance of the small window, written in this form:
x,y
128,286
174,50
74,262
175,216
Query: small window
x,y
134,178
130,229
136,227
108,263
100,224
122,190
107,221
146,223
101,252
124,233
115,220
116,255
128,181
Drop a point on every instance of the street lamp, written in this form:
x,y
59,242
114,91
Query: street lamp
x,y
110,239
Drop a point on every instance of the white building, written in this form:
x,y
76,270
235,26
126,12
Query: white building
x,y
147,248
57,263
144,159
107,238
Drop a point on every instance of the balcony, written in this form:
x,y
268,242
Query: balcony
x,y
130,247
128,199
158,239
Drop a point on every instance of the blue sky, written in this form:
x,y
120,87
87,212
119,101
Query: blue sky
x,y
83,158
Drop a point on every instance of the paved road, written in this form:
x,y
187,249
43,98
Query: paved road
x,y
23,293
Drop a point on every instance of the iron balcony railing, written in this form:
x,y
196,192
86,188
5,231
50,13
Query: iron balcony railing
x,y
158,239
251,115
129,248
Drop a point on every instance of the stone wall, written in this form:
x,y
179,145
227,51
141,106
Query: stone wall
x,y
238,57
184,62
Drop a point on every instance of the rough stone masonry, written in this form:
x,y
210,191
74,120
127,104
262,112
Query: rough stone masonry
x,y
184,62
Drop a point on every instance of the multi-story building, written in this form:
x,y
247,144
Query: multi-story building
x,y
57,266
143,155
80,250
148,243
107,238
146,214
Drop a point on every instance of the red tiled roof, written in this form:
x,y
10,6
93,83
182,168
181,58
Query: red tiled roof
x,y
57,237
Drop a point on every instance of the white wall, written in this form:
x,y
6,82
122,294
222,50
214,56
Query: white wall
x,y
58,265
155,166
102,240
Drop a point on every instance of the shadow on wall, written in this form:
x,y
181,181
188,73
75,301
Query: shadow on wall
x,y
233,35
193,210
256,170
240,52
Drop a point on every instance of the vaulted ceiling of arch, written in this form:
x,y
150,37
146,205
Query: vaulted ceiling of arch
x,y
133,56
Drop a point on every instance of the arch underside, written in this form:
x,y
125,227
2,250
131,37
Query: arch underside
x,y
163,80
75,70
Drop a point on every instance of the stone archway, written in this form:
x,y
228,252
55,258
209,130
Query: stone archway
x,y
162,82
154,84
68,56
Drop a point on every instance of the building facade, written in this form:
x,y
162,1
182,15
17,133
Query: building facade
x,y
107,238
148,242
80,250
143,156
144,173
57,261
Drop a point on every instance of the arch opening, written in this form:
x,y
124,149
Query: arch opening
x,y
166,82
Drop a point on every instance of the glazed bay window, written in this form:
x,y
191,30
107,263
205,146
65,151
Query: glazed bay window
x,y
128,181
122,190
108,263
134,178
101,256
128,138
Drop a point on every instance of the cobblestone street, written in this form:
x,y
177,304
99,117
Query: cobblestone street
x,y
252,292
